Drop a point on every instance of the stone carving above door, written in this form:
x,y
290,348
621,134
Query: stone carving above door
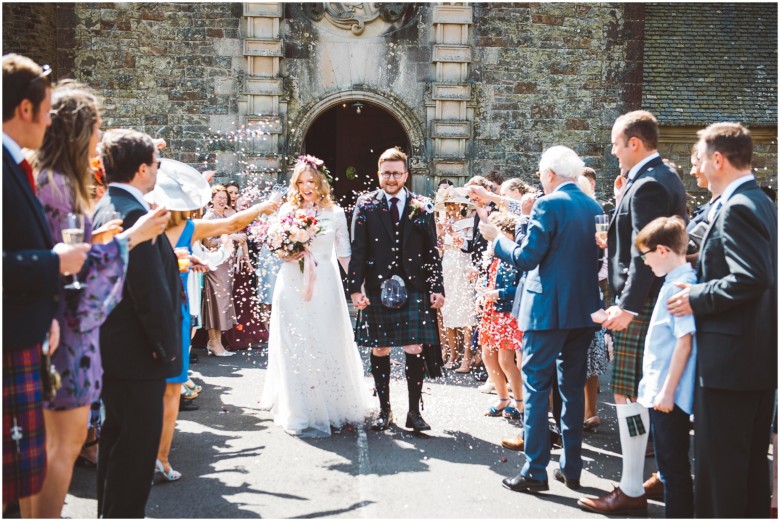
x,y
357,18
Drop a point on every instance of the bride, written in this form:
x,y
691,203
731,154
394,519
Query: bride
x,y
315,376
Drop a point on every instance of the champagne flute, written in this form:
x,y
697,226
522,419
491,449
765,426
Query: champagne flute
x,y
73,233
602,227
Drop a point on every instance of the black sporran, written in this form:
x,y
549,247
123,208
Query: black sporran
x,y
394,294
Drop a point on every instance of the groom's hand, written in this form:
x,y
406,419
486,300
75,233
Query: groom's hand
x,y
437,300
359,300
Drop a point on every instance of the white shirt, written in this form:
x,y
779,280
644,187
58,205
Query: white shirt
x,y
13,148
135,192
635,169
401,195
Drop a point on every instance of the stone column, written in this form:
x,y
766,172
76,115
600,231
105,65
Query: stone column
x,y
450,110
264,105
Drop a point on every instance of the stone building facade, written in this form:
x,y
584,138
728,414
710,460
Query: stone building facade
x,y
464,88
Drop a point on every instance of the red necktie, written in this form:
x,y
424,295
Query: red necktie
x,y
394,210
28,170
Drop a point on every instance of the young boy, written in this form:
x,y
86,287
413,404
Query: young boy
x,y
668,369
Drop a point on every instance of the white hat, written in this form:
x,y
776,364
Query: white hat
x,y
179,187
451,194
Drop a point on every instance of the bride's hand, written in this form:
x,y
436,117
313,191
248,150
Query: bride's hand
x,y
293,257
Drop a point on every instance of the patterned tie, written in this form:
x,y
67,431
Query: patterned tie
x,y
28,170
394,210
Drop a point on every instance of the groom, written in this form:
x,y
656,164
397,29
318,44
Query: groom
x,y
393,233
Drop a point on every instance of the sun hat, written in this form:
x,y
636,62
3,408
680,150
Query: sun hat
x,y
451,194
179,187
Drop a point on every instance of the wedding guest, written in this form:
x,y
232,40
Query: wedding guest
x,y
250,330
219,312
735,306
233,191
669,365
32,265
64,175
651,189
499,335
184,190
458,315
560,293
140,341
699,223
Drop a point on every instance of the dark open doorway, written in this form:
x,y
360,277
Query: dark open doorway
x,y
350,142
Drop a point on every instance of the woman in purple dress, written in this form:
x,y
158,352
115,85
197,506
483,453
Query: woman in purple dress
x,y
64,174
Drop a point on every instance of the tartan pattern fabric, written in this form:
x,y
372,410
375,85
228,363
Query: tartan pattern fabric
x,y
415,323
629,346
24,467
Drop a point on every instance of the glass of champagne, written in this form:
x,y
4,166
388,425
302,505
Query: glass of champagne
x,y
602,226
73,233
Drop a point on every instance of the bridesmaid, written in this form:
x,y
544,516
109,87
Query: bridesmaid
x,y
64,177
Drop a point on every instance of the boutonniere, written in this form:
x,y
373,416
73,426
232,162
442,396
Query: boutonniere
x,y
420,205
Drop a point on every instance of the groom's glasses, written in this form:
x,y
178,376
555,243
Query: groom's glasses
x,y
394,175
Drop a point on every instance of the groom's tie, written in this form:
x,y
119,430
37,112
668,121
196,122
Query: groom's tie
x,y
394,210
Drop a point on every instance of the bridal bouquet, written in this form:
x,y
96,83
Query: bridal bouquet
x,y
290,234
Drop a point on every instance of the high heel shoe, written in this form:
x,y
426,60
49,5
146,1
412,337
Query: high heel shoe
x,y
495,411
189,384
465,366
171,475
224,351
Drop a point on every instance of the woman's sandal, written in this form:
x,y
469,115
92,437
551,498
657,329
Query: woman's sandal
x,y
511,412
187,393
189,384
171,475
494,411
465,367
83,461
591,423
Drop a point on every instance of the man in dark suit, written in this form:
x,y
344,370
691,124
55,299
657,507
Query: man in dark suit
x,y
559,295
394,235
735,305
140,342
32,265
652,189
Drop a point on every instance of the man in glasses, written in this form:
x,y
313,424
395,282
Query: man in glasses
x,y
32,265
394,248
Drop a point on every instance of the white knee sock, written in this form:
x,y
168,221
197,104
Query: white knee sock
x,y
633,448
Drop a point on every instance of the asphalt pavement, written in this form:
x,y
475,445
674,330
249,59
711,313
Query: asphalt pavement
x,y
236,463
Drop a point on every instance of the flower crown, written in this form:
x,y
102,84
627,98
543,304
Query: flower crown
x,y
315,163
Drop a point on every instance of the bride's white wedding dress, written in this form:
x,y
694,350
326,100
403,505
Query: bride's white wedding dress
x,y
315,376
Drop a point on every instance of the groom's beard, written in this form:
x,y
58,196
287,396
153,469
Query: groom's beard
x,y
380,369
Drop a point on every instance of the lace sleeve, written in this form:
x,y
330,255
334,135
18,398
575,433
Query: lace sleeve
x,y
343,247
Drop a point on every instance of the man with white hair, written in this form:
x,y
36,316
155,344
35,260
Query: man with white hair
x,y
560,293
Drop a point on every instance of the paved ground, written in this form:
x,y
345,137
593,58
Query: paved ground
x,y
237,463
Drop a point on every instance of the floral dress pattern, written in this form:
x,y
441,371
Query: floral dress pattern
x,y
78,357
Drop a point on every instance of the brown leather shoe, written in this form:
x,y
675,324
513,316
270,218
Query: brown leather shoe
x,y
654,488
513,443
616,502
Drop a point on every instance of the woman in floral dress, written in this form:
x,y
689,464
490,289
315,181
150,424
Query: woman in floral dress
x,y
64,175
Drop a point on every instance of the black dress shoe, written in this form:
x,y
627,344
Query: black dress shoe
x,y
384,421
556,441
415,422
187,405
193,358
573,484
521,483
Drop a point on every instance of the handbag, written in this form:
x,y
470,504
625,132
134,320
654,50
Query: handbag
x,y
51,380
394,294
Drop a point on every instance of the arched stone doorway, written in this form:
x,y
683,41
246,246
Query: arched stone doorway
x,y
349,136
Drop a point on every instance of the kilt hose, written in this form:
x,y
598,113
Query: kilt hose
x,y
629,347
414,323
24,463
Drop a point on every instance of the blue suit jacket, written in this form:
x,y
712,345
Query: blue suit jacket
x,y
560,255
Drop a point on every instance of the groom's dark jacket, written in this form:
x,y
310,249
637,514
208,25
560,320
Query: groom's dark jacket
x,y
374,258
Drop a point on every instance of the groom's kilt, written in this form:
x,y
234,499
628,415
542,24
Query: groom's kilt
x,y
415,323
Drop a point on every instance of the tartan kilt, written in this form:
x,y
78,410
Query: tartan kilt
x,y
415,323
25,468
629,347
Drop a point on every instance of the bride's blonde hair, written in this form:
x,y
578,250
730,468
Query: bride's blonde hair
x,y
317,169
